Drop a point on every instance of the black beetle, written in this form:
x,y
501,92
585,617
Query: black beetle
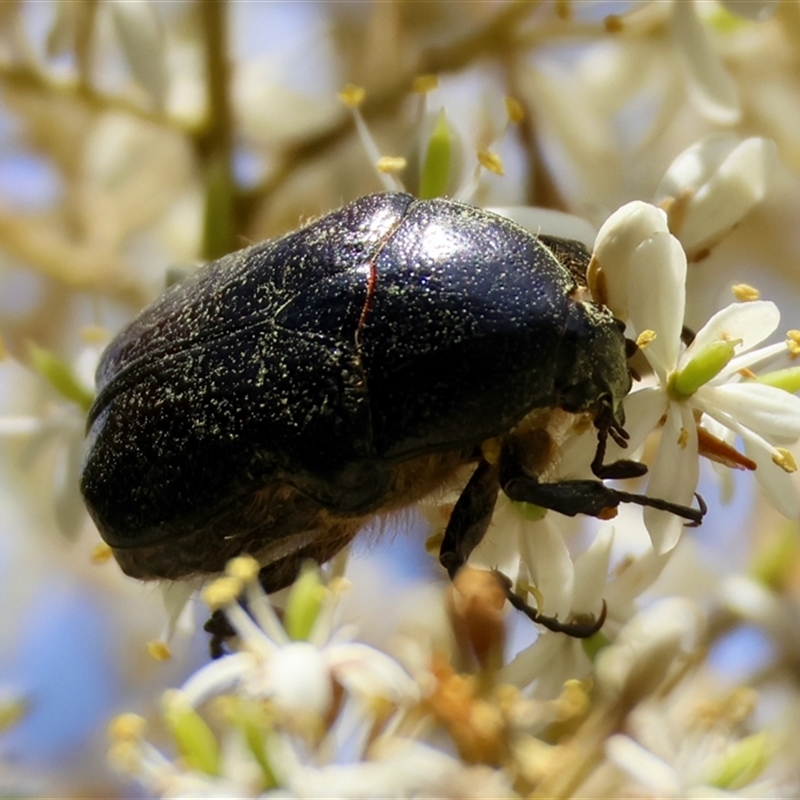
x,y
282,395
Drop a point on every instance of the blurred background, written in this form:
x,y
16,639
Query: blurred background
x,y
136,136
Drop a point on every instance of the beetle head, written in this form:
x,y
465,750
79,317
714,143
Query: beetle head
x,y
593,373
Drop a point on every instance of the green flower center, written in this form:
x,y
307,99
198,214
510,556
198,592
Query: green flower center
x,y
706,364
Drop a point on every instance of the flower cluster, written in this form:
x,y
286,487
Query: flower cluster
x,y
169,141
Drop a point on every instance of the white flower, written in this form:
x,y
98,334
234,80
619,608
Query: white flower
x,y
642,270
303,717
296,675
709,86
712,185
60,427
566,588
648,648
699,745
396,768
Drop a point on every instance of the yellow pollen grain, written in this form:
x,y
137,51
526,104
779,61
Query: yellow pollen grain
x,y
94,334
784,459
127,727
613,23
683,438
101,553
424,83
125,757
644,339
159,650
491,161
391,164
793,342
747,373
745,293
352,96
514,109
573,701
222,592
243,568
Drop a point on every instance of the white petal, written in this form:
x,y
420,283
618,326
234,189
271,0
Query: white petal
x,y
768,411
634,578
176,596
218,677
20,426
141,34
726,177
775,482
548,560
643,410
779,485
550,223
576,456
533,661
591,573
401,768
616,241
696,165
754,359
299,680
710,87
657,295
655,775
673,477
649,646
363,670
750,322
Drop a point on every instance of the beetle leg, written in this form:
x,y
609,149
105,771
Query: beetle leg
x,y
467,526
572,497
620,470
587,497
617,470
578,628
221,630
470,518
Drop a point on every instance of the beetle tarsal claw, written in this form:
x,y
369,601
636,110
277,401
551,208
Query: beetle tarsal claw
x,y
579,628
694,515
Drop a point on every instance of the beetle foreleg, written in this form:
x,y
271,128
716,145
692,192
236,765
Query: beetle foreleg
x,y
470,518
618,470
587,497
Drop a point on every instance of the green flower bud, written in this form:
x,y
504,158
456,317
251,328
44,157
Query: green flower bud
x,y
706,364
787,379
436,169
530,511
194,739
60,376
743,762
304,602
